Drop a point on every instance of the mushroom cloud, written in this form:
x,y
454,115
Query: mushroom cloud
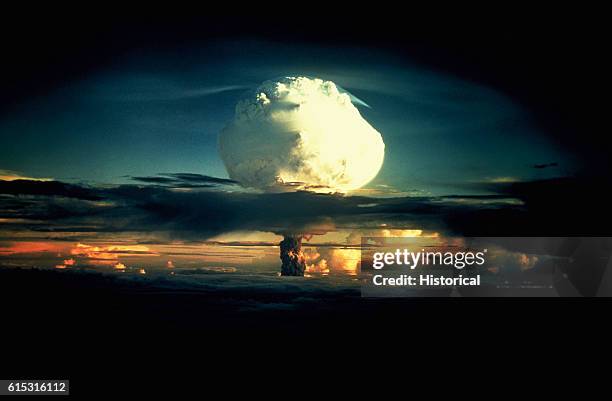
x,y
300,133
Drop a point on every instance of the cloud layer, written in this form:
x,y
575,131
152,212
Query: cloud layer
x,y
186,213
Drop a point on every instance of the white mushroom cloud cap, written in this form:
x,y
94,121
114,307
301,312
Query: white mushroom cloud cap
x,y
300,133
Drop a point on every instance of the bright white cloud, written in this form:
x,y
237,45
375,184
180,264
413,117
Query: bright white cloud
x,y
300,133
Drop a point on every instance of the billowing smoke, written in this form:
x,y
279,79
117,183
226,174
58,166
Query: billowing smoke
x,y
292,257
299,133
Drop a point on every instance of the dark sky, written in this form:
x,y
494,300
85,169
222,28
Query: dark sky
x,y
457,103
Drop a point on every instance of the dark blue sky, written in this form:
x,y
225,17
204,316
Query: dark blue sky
x,y
157,112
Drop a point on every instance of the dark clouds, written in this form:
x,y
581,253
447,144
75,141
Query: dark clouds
x,y
545,165
47,188
561,206
185,180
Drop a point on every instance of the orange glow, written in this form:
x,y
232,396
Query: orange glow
x,y
319,267
31,247
119,266
102,262
408,233
347,260
526,262
338,260
7,175
313,265
67,262
170,264
111,252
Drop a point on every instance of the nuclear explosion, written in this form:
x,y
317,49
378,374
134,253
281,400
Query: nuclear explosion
x,y
300,133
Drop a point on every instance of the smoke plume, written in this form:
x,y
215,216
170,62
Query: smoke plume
x,y
292,257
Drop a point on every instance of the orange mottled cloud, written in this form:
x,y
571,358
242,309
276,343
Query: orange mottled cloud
x,y
67,262
314,263
110,252
32,247
339,260
119,266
